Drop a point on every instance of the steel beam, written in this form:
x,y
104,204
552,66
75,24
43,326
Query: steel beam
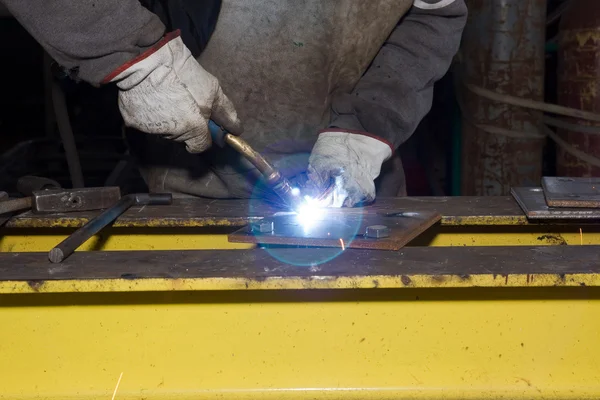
x,y
242,325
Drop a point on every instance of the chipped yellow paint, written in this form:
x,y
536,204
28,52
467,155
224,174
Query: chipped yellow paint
x,y
485,220
72,222
296,283
155,222
347,344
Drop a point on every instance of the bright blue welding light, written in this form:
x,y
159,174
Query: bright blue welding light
x,y
308,221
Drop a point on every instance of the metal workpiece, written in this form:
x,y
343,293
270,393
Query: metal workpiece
x,y
572,192
262,226
70,244
377,231
503,51
352,228
533,203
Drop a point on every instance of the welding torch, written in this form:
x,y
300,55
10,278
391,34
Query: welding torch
x,y
273,178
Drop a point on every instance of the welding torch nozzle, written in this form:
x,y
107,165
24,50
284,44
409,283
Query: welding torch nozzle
x,y
274,179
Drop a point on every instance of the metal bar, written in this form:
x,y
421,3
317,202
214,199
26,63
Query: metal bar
x,y
69,245
200,237
280,268
185,213
9,206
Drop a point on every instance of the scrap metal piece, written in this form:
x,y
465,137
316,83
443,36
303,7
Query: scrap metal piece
x,y
377,231
348,224
64,200
65,248
262,226
533,203
572,192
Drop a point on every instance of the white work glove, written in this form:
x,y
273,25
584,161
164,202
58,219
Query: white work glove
x,y
165,91
349,160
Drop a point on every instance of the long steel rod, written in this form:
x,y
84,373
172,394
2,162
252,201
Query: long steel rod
x,y
65,248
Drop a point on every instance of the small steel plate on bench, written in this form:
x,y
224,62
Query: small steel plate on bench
x,y
572,192
386,230
533,203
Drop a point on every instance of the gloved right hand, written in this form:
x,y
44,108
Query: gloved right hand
x,y
165,91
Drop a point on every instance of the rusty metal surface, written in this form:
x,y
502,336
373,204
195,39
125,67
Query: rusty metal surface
x,y
572,192
579,82
344,228
503,51
533,203
69,200
198,212
259,264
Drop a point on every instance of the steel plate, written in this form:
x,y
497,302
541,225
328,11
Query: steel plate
x,y
342,227
572,192
533,203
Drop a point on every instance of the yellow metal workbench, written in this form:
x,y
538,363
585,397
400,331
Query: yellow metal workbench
x,y
501,314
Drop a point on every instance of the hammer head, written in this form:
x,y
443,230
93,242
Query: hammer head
x,y
66,200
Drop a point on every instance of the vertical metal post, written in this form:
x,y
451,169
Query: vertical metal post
x,y
503,51
579,83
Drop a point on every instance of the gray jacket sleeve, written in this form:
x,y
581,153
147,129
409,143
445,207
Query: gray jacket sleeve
x,y
396,91
89,37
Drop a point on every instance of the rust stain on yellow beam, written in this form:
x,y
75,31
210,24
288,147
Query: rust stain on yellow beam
x,y
484,220
131,284
156,222
74,222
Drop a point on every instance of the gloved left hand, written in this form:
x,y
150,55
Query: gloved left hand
x,y
351,161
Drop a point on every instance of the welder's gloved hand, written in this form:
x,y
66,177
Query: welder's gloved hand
x,y
350,161
165,91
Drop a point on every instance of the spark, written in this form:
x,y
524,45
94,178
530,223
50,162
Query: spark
x,y
117,387
581,236
295,191
342,243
